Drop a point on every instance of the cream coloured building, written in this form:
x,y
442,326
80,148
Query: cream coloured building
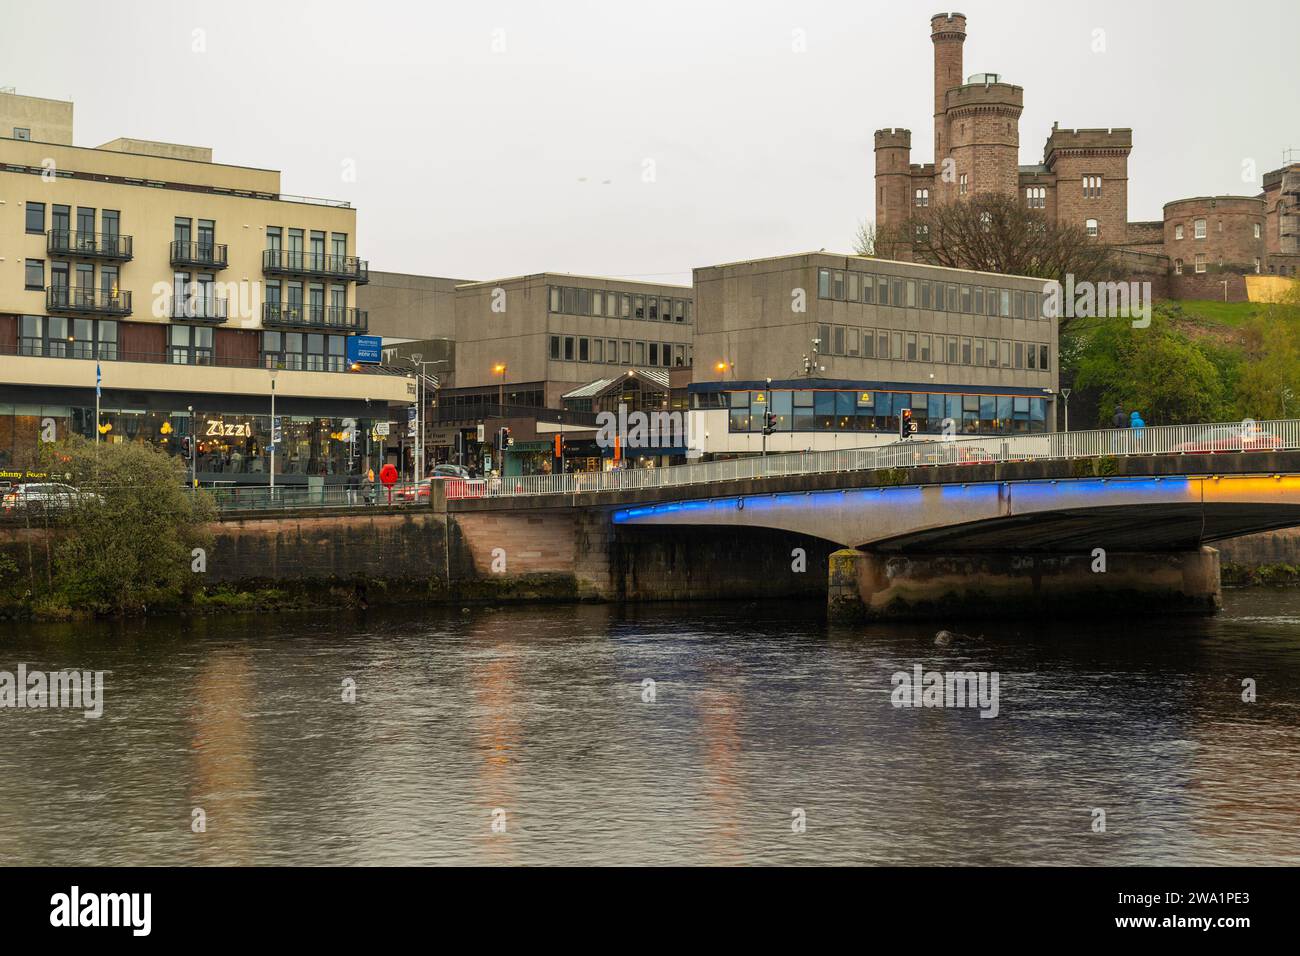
x,y
185,283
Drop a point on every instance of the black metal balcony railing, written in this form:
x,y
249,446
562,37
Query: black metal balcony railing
x,y
275,315
319,265
89,301
89,245
199,255
202,308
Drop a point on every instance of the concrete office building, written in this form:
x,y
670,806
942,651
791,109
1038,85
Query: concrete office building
x,y
523,343
848,342
183,281
405,308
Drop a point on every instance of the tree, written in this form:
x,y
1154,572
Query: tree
x,y
993,232
1269,382
1154,371
128,537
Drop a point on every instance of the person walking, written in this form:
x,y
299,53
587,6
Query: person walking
x,y
368,486
1135,421
354,483
1119,420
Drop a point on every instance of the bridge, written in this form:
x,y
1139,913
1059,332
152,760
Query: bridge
x,y
990,524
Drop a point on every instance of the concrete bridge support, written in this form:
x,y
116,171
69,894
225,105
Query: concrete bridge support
x,y
882,586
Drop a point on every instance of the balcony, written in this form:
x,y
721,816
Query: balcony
x,y
78,301
277,316
285,262
201,308
199,255
89,245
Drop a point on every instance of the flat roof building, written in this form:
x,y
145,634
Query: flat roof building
x,y
836,346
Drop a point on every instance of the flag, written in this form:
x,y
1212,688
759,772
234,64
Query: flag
x,y
99,377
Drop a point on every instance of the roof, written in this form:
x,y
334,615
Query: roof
x,y
592,389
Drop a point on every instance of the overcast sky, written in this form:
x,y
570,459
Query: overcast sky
x,y
492,139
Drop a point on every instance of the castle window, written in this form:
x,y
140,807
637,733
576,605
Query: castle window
x,y
1257,265
1091,187
1178,267
1198,229
923,197
1092,227
1256,235
1036,197
961,185
1178,231
1200,262
922,232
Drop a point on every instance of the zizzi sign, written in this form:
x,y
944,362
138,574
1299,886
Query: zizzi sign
x,y
220,429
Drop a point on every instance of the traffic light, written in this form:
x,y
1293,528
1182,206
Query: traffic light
x,y
503,439
769,423
906,426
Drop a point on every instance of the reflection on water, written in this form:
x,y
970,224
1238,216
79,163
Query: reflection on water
x,y
534,717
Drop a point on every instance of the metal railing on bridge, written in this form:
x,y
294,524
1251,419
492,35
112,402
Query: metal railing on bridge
x,y
1223,438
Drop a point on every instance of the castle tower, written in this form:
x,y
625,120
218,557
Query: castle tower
x,y
948,34
893,176
982,120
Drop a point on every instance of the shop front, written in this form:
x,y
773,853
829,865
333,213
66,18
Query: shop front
x,y
230,435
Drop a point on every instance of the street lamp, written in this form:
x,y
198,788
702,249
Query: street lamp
x,y
274,437
1065,394
500,370
417,359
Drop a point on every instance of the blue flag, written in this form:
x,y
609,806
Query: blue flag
x,y
98,378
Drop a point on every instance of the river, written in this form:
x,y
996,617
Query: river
x,y
528,735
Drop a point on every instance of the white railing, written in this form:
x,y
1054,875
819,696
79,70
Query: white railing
x,y
1228,437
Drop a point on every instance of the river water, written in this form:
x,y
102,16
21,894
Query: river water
x,y
538,720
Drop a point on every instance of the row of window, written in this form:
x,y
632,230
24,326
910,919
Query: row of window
x,y
60,337
110,220
184,229
898,345
809,410
849,286
1199,229
1199,264
568,300
581,348
64,275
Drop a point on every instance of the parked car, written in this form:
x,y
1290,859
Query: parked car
x,y
1225,438
450,471
50,496
933,451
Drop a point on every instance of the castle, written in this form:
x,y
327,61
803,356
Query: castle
x,y
1201,243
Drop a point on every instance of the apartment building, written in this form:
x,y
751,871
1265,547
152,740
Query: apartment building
x,y
837,346
186,291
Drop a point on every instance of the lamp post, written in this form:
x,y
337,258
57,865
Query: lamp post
x,y
500,369
1065,394
417,359
274,437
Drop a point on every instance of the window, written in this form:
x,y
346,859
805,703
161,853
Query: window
x,y
555,298
584,350
273,238
611,350
1198,229
965,351
837,286
1091,227
555,343
34,277
1257,265
598,350
22,132
31,337
925,348
568,348
638,307
923,197
1020,355
36,217
1200,262
1256,235
1036,197
652,308
1091,187
1178,267
1042,358
961,185
1178,231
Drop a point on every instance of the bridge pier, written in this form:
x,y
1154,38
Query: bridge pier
x,y
888,586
